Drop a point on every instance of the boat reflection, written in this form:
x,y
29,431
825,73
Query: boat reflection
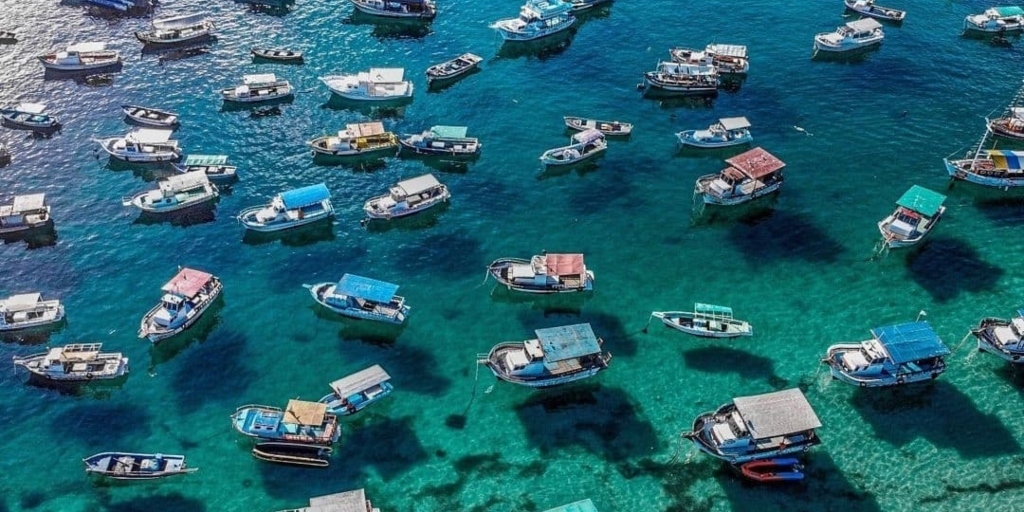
x,y
542,49
194,215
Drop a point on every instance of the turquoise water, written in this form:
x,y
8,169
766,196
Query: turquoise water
x,y
799,267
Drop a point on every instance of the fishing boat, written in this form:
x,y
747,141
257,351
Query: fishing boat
x,y
584,145
537,19
175,193
421,9
558,355
705,320
81,57
1010,125
1003,338
353,393
136,466
349,501
856,35
25,213
996,19
256,88
917,212
868,8
999,168
7,37
177,29
577,506
454,68
215,167
895,355
678,78
728,131
583,5
356,139
377,84
408,197
300,422
186,297
781,469
142,145
150,116
75,362
728,59
290,209
361,297
543,273
278,55
31,116
608,128
450,141
750,175
29,310
294,454
757,427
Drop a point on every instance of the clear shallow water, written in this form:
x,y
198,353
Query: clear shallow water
x,y
800,269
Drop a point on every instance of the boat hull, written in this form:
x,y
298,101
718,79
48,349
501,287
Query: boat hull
x,y
149,39
164,119
824,47
510,34
608,128
247,219
833,360
133,466
440,73
374,212
784,469
98,64
205,199
163,154
318,290
367,8
31,363
334,403
293,454
498,269
549,158
542,381
683,321
155,334
35,323
319,147
733,199
987,341
26,227
892,241
876,11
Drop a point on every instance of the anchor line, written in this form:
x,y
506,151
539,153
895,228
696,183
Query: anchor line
x,y
968,335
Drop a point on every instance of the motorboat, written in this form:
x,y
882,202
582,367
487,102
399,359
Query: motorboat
x,y
999,168
29,310
750,175
277,55
185,298
543,273
136,466
81,57
361,297
408,197
917,212
290,209
895,355
677,78
300,422
583,145
348,501
868,8
355,140
31,116
706,320
856,35
442,140
728,59
216,167
177,29
1002,338
608,128
150,116
996,19
454,68
728,131
537,19
75,362
377,84
257,88
355,392
25,213
418,9
142,145
558,355
175,193
583,5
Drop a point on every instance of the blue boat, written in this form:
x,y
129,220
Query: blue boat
x,y
895,355
290,209
300,422
353,393
728,131
576,506
558,355
216,167
361,297
537,18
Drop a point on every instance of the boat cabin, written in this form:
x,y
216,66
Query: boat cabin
x,y
258,85
145,140
416,190
543,10
74,358
306,199
359,292
711,317
728,56
555,351
359,136
74,53
168,188
180,294
360,388
764,423
996,18
861,28
24,212
895,352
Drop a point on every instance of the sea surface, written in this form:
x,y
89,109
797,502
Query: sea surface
x,y
801,267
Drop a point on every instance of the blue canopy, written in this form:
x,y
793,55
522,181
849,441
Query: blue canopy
x,y
305,196
366,288
568,342
909,342
711,309
576,506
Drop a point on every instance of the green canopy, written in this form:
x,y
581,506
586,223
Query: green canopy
x,y
922,200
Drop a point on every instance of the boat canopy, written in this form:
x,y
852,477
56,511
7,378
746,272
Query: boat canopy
x,y
587,136
547,8
864,25
174,22
360,381
567,342
1009,10
1005,159
727,50
365,288
712,310
187,283
777,414
734,123
87,47
922,200
364,129
205,160
30,108
564,264
301,412
22,302
910,342
417,185
348,501
756,163
576,506
449,132
28,203
264,78
387,75
180,182
148,135
305,196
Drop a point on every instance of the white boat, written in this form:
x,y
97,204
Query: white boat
x,y
177,29
175,193
750,175
136,466
216,167
75,362
256,88
868,8
683,79
917,212
543,273
290,209
279,55
584,145
81,57
728,131
558,355
728,59
29,310
855,35
583,5
25,213
608,128
537,19
377,84
355,392
142,145
454,68
408,197
186,297
1003,338
356,139
757,427
996,19
705,320
421,9
895,355
443,140
32,116
150,116
361,297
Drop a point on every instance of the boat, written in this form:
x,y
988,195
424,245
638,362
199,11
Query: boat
x,y
29,310
28,115
706,320
996,19
408,197
583,5
442,140
683,79
421,9
781,469
895,355
361,297
300,422
728,59
177,29
868,8
454,68
290,209
1003,338
349,501
150,116
7,37
81,57
136,466
256,88
24,213
279,55
917,212
354,392
294,454
5,155
142,145
608,128
728,131
559,355
855,35
175,193
537,19
583,145
750,175
186,297
1010,125
377,84
356,139
577,506
75,362
757,427
543,273
215,167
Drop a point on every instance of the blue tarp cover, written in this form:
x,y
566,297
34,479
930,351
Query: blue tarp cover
x,y
366,288
909,342
305,196
568,342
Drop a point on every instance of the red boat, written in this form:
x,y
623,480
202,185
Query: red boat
x,y
773,470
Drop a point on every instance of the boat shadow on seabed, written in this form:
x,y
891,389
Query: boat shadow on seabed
x,y
543,48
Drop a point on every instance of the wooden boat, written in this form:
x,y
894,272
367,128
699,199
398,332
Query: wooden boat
x,y
142,145
780,469
868,8
1003,338
31,116
75,362
290,209
728,59
450,141
177,29
728,131
750,175
356,139
175,193
608,128
419,9
25,213
150,116
355,392
136,466
683,79
361,297
294,454
917,212
854,36
537,19
705,320
81,57
215,167
377,84
278,55
1010,125
585,145
408,197
558,355
543,273
257,88
454,68
895,355
1003,19
29,310
7,37
300,422
186,297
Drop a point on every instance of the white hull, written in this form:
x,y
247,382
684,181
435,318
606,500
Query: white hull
x,y
32,364
822,46
155,333
734,329
874,381
375,211
732,200
247,219
136,201
99,64
149,38
956,169
686,138
158,153
890,239
508,33
424,15
539,381
51,317
318,289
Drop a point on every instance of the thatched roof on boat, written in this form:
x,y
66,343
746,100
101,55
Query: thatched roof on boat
x,y
360,381
365,129
776,414
913,341
187,283
302,412
568,342
756,163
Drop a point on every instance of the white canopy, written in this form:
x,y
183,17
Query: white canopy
x,y
87,47
184,21
22,302
864,25
418,184
387,75
149,135
31,108
179,182
28,202
734,123
264,78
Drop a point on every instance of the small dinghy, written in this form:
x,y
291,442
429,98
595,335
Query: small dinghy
x,y
30,116
584,145
454,68
706,320
136,466
295,454
279,55
150,116
608,128
783,469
